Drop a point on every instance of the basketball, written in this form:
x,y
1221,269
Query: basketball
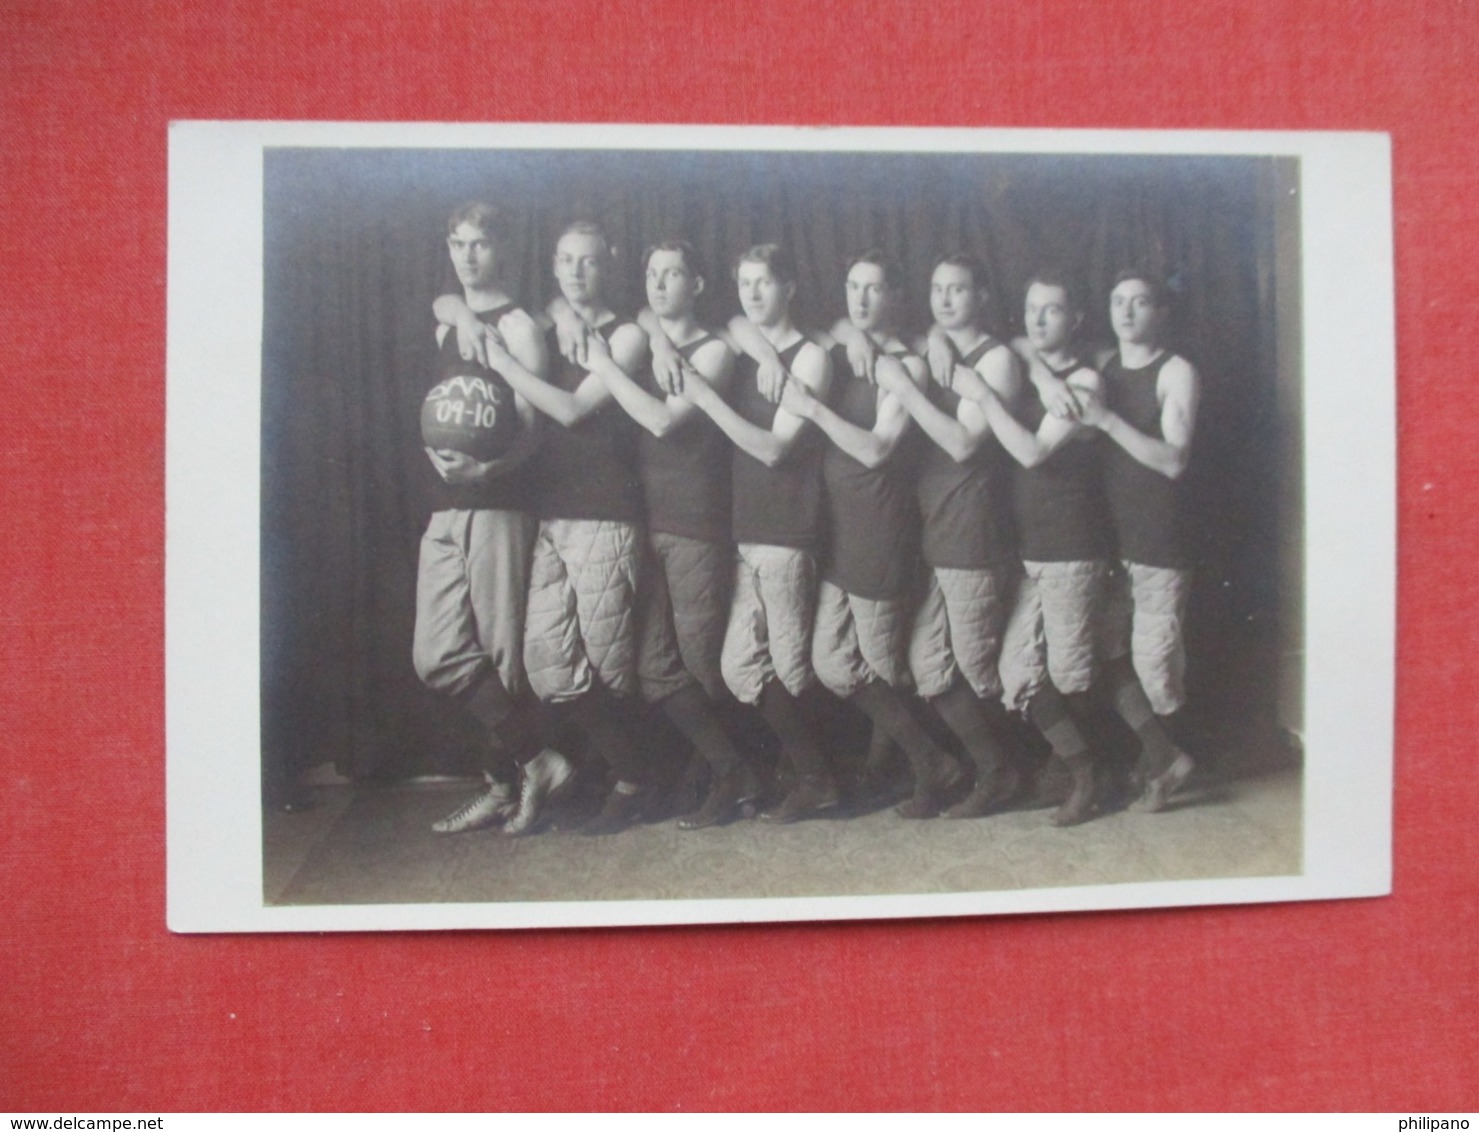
x,y
472,413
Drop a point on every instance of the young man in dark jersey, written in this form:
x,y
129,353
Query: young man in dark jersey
x,y
776,493
579,642
683,594
474,562
962,487
1148,413
865,607
1048,654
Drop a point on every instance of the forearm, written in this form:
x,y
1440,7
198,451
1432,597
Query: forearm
x,y
758,442
940,427
649,412
748,339
1025,447
1157,455
863,445
449,308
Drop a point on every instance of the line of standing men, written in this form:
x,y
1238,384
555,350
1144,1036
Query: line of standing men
x,y
763,524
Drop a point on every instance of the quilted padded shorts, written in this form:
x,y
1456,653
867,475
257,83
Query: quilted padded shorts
x,y
858,639
1144,615
957,630
682,610
770,616
1051,634
581,613
470,590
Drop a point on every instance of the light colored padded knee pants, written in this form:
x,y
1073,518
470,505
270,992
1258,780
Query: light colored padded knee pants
x,y
858,639
957,630
581,612
770,618
1144,616
1051,633
470,590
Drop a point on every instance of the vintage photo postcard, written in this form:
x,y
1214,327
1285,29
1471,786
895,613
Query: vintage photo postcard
x,y
594,525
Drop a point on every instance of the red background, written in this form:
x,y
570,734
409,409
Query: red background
x,y
1361,1004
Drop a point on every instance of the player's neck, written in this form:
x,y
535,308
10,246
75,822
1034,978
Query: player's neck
x,y
680,331
1058,359
967,338
780,333
485,298
593,313
1135,355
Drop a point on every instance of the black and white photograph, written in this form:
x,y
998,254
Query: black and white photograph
x,y
595,525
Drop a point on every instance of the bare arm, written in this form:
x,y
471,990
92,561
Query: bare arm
x,y
862,351
1179,388
869,447
452,311
568,409
1052,390
1030,448
748,340
769,446
962,434
660,416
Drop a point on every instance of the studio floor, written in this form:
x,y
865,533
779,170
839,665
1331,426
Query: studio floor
x,y
364,844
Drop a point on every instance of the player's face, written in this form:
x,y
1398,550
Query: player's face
x,y
472,255
1134,315
764,298
671,286
1050,319
580,262
868,297
954,297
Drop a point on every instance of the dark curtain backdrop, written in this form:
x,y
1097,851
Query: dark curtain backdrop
x,y
355,253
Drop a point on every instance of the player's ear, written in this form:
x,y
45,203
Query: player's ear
x,y
790,291
698,284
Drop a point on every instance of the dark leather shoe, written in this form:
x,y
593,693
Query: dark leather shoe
x,y
992,794
808,797
620,812
1079,805
726,799
933,792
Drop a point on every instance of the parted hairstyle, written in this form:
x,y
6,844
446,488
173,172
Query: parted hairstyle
x,y
588,228
893,274
483,215
1053,276
690,255
967,261
1160,294
774,256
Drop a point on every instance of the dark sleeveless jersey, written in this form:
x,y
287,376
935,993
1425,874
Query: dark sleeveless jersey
x,y
507,492
1144,505
965,507
588,471
1060,507
685,475
778,506
872,519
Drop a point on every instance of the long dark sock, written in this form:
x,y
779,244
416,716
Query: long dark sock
x,y
1050,713
692,713
881,752
890,714
1134,708
971,720
780,710
505,728
600,718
